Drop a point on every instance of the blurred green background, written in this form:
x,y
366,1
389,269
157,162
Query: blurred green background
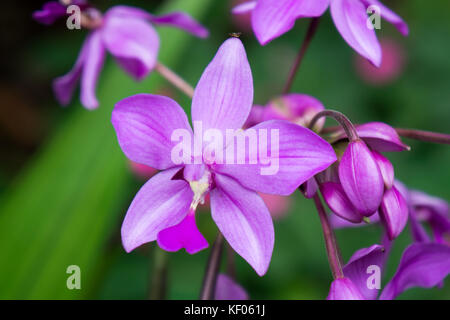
x,y
65,185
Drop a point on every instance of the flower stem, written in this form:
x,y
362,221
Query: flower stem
x,y
212,269
231,268
159,278
345,123
330,240
174,79
421,135
298,61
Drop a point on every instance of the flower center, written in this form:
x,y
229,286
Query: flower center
x,y
200,188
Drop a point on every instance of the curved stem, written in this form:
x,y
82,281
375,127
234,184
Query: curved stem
x,y
212,269
421,135
330,240
231,268
159,278
175,79
345,123
298,61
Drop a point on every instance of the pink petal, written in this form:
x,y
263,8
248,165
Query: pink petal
x,y
350,18
182,21
344,289
223,96
159,204
386,169
127,12
228,289
93,64
144,124
245,222
244,7
133,42
422,265
357,268
338,202
301,154
389,15
51,11
271,19
361,178
394,212
183,235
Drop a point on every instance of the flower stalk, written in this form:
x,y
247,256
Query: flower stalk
x,y
427,136
330,240
158,287
212,269
174,79
298,61
345,123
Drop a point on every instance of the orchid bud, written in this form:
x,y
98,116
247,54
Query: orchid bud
x,y
386,169
338,202
344,289
361,178
309,188
394,212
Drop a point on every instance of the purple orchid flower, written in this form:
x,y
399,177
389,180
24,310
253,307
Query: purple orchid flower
x,y
273,18
125,32
164,208
228,289
53,10
422,265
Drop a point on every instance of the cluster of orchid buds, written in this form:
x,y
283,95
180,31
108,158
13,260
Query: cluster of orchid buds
x,y
344,165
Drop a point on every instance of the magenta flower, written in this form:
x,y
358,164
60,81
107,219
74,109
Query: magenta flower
x,y
422,265
273,18
164,208
228,289
53,10
127,33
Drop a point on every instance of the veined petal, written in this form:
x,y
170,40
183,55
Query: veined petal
x,y
389,15
93,64
422,265
287,157
133,42
228,289
244,7
361,178
338,202
350,18
271,19
394,212
127,12
344,289
386,169
364,263
182,21
339,223
159,204
224,95
64,86
144,125
245,222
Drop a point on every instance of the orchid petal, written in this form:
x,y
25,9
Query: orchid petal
x,y
50,12
159,204
344,289
271,19
362,264
389,15
183,235
182,21
394,212
133,42
337,201
381,137
245,222
283,166
144,125
93,64
361,178
244,7
339,223
127,12
350,18
422,265
386,169
228,289
223,96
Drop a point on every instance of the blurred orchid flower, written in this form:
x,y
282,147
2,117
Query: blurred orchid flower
x,y
228,289
273,18
164,208
422,265
125,32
